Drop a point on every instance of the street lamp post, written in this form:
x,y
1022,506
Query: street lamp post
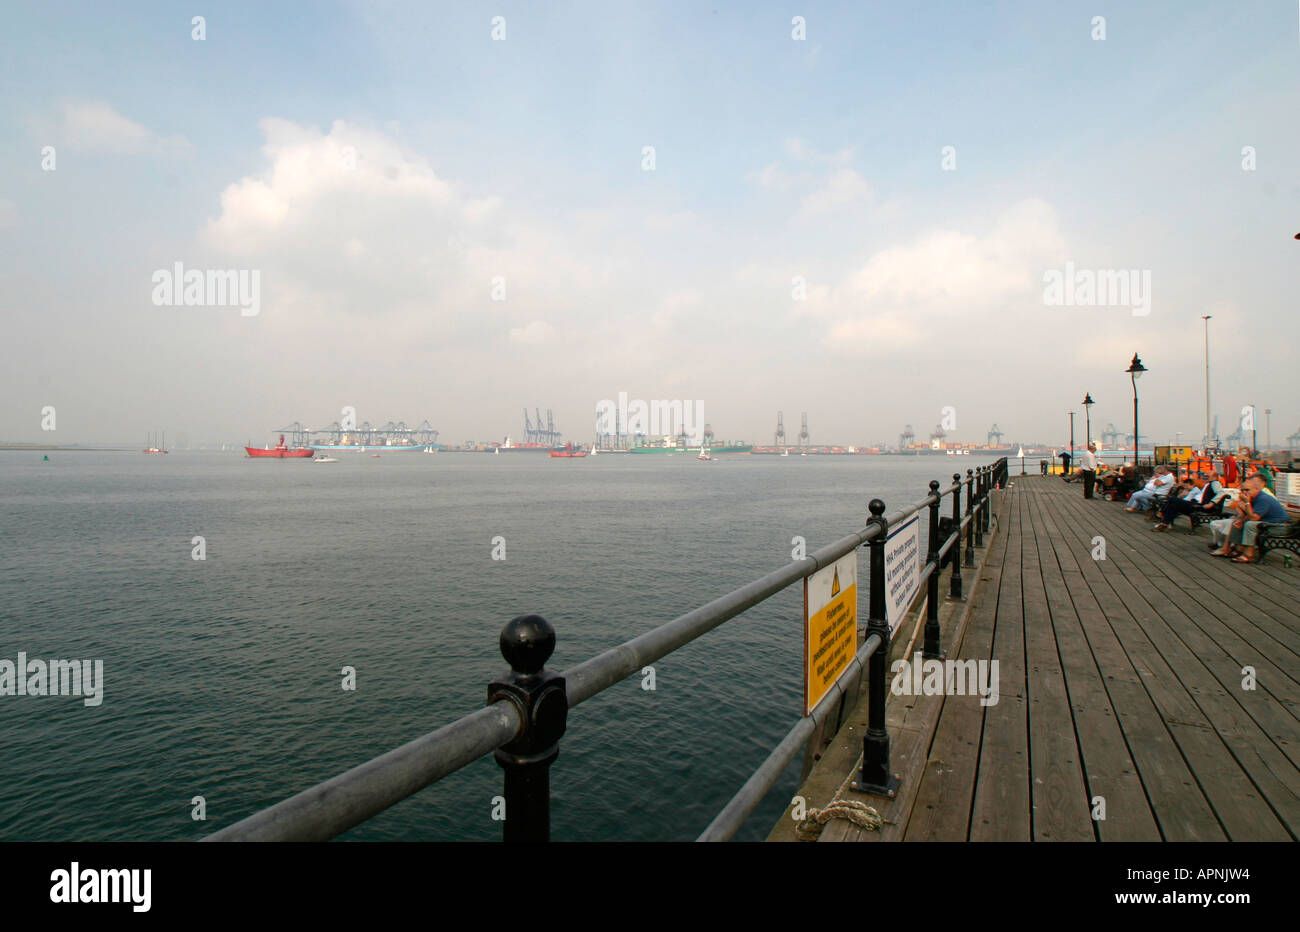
x,y
1206,318
1087,416
1135,370
1268,428
1254,444
1071,436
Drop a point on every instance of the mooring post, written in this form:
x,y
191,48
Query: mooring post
x,y
979,507
875,777
970,517
527,642
933,648
954,590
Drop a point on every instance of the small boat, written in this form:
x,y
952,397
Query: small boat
x,y
374,456
593,451
785,452
162,448
281,451
325,459
704,454
568,452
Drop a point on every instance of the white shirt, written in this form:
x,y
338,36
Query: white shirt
x,y
1089,461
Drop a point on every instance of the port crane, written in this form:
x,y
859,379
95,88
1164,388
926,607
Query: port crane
x,y
906,438
1110,436
995,435
336,434
804,439
780,430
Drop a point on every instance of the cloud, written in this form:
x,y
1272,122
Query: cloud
x,y
844,188
97,126
904,294
411,242
828,183
539,331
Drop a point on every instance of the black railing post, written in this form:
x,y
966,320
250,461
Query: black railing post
x,y
970,517
876,777
954,590
979,506
933,648
527,642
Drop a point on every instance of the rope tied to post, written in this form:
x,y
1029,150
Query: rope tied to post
x,y
859,813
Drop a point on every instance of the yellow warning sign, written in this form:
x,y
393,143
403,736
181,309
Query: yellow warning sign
x,y
830,630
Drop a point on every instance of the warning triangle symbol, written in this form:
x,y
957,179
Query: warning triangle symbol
x,y
835,583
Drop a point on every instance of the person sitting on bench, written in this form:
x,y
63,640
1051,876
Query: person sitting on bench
x,y
1202,492
1260,507
1154,492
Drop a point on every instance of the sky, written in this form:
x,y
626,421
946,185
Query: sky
x,y
749,205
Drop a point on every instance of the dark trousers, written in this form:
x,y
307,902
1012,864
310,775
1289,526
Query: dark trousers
x,y
1175,507
1089,480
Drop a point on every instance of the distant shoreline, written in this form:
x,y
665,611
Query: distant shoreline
x,y
48,447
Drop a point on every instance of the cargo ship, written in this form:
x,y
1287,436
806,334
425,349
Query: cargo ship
x,y
568,451
715,448
281,451
527,447
375,448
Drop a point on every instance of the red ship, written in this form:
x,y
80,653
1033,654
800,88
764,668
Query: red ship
x,y
280,451
568,452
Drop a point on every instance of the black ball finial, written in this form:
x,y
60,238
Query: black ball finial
x,y
934,486
876,507
970,473
956,477
527,642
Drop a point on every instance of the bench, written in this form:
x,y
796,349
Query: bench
x,y
1277,536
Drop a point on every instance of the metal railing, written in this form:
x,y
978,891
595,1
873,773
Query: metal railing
x,y
527,710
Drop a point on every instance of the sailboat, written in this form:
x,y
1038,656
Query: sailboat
x,y
785,451
704,454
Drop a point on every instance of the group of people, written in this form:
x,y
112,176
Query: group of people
x,y
1166,497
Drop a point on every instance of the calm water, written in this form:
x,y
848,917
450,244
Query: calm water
x,y
222,677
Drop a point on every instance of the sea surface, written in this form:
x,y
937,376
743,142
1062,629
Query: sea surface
x,y
222,677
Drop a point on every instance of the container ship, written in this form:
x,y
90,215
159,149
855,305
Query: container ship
x,y
715,448
528,446
376,447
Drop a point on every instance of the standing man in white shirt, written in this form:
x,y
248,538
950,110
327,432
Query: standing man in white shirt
x,y
1088,466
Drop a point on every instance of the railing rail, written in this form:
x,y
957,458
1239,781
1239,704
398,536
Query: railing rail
x,y
527,711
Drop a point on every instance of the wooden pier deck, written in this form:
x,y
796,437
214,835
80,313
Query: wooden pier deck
x,y
1120,678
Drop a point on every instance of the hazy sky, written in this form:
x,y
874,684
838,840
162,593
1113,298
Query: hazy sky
x,y
379,165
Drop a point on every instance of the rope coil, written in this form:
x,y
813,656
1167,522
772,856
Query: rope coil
x,y
859,813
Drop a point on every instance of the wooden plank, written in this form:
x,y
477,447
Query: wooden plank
x,y
1001,809
1142,704
1110,773
1060,799
942,808
1240,807
1271,770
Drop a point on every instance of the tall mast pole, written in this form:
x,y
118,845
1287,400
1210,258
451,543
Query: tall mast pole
x,y
1206,318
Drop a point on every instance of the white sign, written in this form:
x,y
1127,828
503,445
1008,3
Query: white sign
x,y
902,570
